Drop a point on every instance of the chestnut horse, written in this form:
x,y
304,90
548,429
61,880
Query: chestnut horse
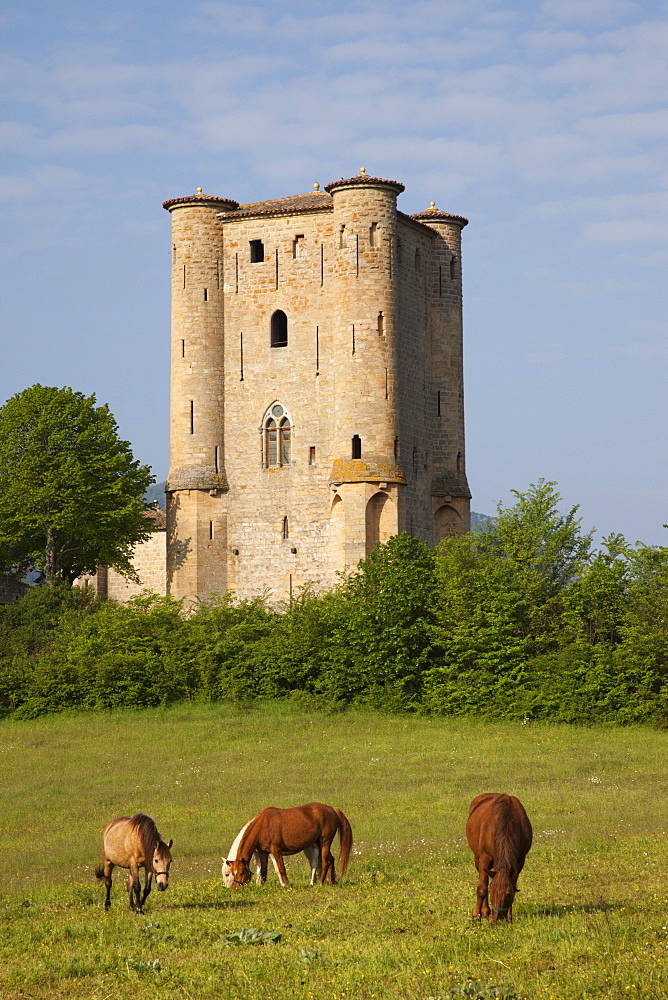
x,y
499,833
134,843
311,853
289,831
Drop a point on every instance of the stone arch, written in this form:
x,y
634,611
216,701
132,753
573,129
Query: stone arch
x,y
277,436
447,521
379,520
338,529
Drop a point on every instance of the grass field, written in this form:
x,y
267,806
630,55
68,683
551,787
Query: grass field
x,y
590,921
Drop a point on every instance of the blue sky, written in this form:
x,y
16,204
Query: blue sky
x,y
544,123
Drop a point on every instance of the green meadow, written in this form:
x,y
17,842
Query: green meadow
x,y
591,918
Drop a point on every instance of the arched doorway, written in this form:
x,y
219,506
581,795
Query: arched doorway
x,y
338,529
447,521
379,520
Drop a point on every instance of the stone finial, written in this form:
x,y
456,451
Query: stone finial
x,y
316,186
362,170
199,190
432,206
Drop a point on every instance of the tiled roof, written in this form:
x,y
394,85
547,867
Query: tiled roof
x,y
158,516
434,215
313,201
366,181
202,199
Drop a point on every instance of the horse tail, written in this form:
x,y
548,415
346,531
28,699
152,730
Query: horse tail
x,y
99,871
346,838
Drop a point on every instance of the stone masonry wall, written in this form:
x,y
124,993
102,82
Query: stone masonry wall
x,y
365,351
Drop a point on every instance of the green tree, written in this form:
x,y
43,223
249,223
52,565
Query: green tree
x,y
71,494
501,595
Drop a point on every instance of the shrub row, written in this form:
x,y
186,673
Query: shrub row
x,y
521,621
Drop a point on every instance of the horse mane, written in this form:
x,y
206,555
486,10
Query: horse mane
x,y
234,847
248,833
148,833
505,844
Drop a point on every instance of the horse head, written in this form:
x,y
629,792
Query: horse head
x,y
502,889
162,859
236,873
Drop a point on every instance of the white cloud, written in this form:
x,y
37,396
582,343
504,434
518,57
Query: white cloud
x,y
589,11
639,125
45,181
650,351
624,231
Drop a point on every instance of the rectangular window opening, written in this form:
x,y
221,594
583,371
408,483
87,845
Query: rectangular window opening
x,y
256,251
210,530
192,416
311,455
299,247
206,294
183,348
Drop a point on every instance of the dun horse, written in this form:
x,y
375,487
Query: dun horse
x,y
134,843
288,831
311,853
499,833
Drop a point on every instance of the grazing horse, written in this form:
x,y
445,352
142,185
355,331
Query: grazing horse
x,y
311,853
499,833
134,843
289,831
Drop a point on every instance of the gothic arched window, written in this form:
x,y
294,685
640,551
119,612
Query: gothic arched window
x,y
277,433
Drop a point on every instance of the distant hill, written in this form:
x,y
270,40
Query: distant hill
x,y
481,522
156,494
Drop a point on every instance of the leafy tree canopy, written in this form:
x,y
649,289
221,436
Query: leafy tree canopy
x,y
71,493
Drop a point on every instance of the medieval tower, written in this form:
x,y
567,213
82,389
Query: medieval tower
x,y
316,387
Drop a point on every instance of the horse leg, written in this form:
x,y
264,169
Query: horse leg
x,y
327,863
134,887
108,868
147,887
279,865
262,861
482,905
312,853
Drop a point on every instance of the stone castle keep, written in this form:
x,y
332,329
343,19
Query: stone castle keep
x,y
316,386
